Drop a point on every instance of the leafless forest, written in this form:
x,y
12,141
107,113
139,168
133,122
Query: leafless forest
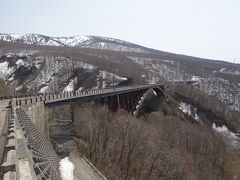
x,y
159,145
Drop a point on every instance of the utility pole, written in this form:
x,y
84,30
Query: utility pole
x,y
73,77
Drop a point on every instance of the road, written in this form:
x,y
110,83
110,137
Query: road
x,y
82,171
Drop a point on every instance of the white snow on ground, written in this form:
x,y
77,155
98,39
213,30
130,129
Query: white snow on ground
x,y
66,169
73,40
108,78
43,89
224,90
157,69
29,39
108,75
102,44
4,70
167,61
229,71
86,66
54,71
9,55
224,132
11,78
18,88
195,78
70,86
81,88
154,92
221,70
186,109
153,80
19,63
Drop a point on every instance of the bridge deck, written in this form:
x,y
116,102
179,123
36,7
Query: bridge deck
x,y
92,94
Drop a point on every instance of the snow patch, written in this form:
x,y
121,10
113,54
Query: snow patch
x,y
107,78
154,92
168,61
195,78
87,66
80,88
9,55
153,80
224,90
5,71
73,40
223,69
66,168
158,69
102,44
19,63
43,89
69,87
186,109
11,78
18,88
223,130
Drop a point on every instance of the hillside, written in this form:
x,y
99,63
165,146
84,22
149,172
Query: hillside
x,y
40,63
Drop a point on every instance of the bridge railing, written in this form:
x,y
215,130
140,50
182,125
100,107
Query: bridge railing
x,y
45,162
29,99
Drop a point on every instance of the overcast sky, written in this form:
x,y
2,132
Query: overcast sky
x,y
203,28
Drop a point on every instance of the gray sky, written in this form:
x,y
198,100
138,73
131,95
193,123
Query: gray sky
x,y
203,28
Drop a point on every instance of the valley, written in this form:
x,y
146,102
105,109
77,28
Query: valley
x,y
184,125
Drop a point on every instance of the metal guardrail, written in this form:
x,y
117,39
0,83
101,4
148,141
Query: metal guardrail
x,y
46,162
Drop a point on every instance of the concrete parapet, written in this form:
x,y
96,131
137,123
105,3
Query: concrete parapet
x,y
10,144
11,135
18,164
4,118
24,166
25,171
9,164
9,175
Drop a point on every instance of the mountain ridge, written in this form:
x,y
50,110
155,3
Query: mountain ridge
x,y
82,41
94,42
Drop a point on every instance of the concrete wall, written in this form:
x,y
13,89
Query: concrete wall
x,y
3,131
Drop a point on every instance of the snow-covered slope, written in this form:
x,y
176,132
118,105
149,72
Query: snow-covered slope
x,y
95,42
34,73
221,80
30,39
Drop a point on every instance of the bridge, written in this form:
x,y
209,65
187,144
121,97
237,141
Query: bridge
x,y
24,145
